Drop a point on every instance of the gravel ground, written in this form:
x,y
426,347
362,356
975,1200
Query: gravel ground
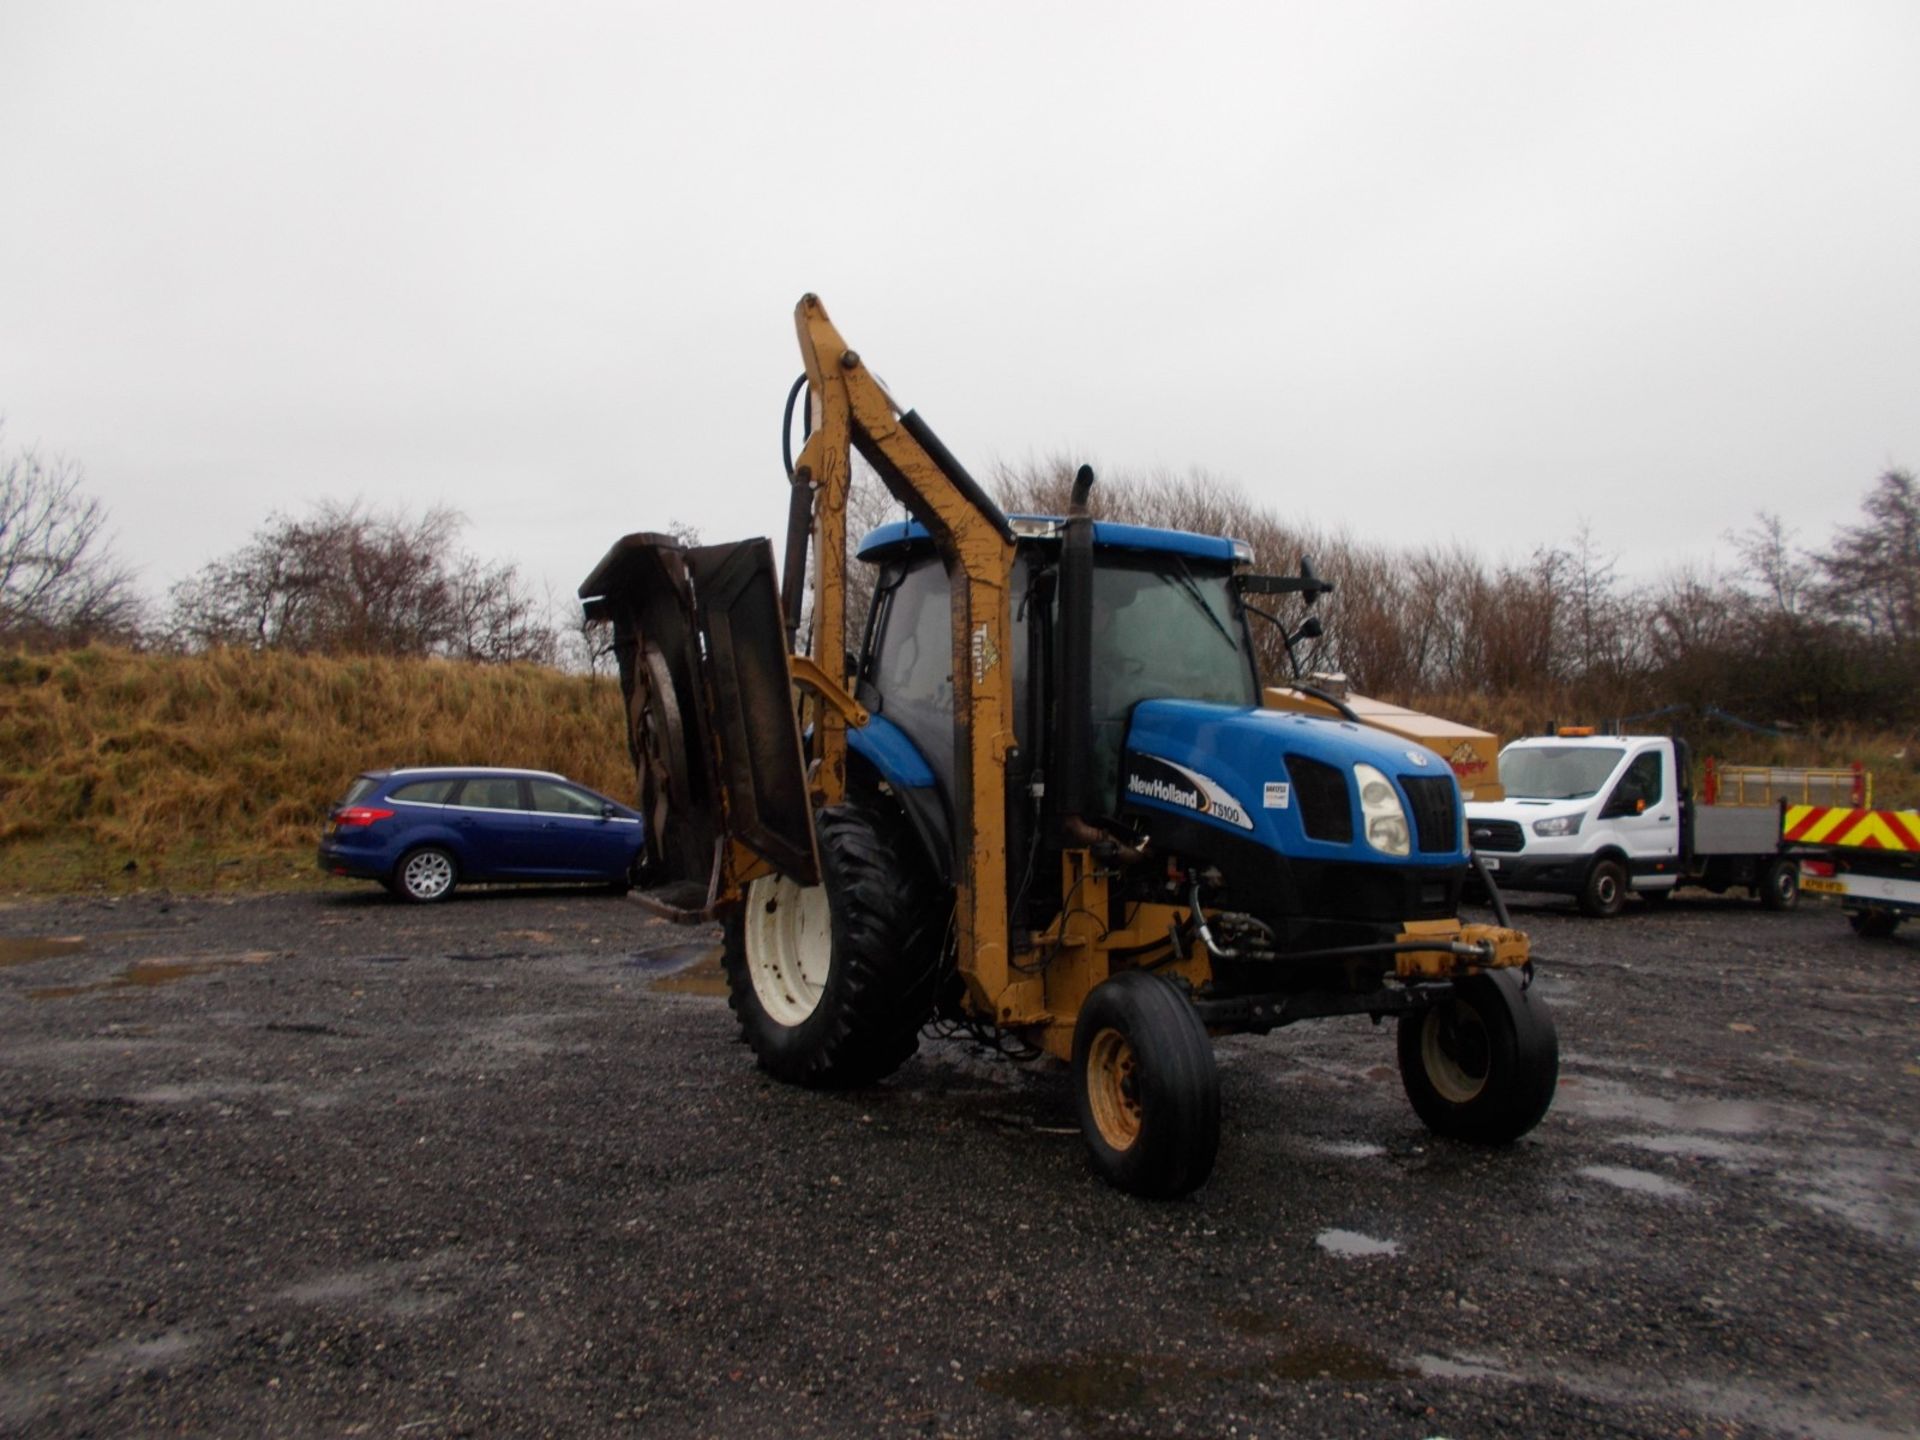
x,y
323,1164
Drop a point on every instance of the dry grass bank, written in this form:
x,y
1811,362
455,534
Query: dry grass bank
x,y
214,770
121,770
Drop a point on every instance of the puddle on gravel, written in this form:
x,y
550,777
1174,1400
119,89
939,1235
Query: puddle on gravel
x,y
26,951
1700,1147
1461,1367
1350,1149
1352,1245
144,975
1869,1190
1639,1182
1610,1100
682,970
1105,1384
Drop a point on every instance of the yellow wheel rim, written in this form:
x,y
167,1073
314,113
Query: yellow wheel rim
x,y
1457,1051
1113,1089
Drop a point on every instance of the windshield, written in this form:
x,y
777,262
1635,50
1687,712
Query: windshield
x,y
1162,629
1556,772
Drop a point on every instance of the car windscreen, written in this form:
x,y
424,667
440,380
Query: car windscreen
x,y
1557,772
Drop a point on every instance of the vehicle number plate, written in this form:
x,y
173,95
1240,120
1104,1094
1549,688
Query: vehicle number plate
x,y
1490,862
1821,886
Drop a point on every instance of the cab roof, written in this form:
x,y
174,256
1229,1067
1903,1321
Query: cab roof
x,y
892,541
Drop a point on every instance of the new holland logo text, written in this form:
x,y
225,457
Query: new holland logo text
x,y
1161,790
1152,778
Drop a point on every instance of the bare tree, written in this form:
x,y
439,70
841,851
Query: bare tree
x,y
60,583
350,580
1872,574
1770,563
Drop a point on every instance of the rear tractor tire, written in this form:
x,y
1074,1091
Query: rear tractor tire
x,y
1482,1064
832,982
1145,1087
1605,893
1780,885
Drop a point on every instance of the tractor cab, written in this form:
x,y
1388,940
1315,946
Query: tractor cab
x,y
1165,622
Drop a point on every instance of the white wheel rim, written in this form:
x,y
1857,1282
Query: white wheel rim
x,y
789,935
427,875
1458,1070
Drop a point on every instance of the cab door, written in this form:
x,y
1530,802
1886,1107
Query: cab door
x,y
1642,810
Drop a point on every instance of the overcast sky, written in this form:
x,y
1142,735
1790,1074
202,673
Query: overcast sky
x,y
1420,270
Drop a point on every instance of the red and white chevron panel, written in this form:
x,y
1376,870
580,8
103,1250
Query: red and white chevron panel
x,y
1860,829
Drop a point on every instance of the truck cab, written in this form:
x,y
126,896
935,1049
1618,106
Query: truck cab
x,y
1599,817
1592,816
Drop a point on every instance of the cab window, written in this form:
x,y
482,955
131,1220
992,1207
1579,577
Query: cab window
x,y
909,676
1639,789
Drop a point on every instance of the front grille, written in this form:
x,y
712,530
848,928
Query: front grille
x,y
1496,836
1325,811
1436,815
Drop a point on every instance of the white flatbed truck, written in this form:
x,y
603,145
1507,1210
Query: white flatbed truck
x,y
1602,817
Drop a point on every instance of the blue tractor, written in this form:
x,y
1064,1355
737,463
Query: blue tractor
x,y
1040,795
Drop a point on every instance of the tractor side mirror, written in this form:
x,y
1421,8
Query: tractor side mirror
x,y
1312,587
1307,585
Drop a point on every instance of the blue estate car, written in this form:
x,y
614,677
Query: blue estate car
x,y
420,832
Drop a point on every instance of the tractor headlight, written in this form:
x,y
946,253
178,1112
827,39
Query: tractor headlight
x,y
1559,825
1382,812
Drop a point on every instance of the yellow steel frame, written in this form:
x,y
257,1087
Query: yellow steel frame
x,y
852,409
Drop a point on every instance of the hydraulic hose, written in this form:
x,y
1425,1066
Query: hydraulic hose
x,y
786,424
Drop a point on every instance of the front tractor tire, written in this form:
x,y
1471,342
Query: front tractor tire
x,y
1481,1065
832,982
1605,893
1145,1087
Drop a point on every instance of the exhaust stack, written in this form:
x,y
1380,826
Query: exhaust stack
x,y
1073,712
